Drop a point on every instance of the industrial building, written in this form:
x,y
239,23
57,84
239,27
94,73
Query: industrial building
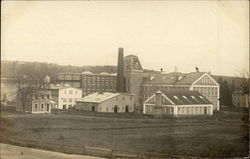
x,y
89,82
177,103
107,102
201,82
64,96
240,99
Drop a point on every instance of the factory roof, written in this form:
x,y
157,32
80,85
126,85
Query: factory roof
x,y
99,97
182,98
58,86
176,78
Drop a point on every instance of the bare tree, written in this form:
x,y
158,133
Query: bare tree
x,y
245,82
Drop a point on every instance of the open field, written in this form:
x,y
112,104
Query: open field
x,y
64,132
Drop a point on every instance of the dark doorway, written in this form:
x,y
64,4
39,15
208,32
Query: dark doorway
x,y
115,109
64,106
127,109
93,108
205,110
47,107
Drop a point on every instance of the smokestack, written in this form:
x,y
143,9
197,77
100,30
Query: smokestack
x,y
120,87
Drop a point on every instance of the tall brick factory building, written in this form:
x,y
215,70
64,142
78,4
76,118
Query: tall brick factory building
x,y
132,78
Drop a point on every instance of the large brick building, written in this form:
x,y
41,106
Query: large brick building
x,y
89,82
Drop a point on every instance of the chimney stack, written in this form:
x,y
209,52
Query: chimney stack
x,y
120,87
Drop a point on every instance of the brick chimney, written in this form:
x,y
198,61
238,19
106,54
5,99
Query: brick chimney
x,y
120,86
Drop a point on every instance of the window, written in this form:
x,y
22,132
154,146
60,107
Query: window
x,y
42,106
70,100
64,100
35,106
122,98
70,91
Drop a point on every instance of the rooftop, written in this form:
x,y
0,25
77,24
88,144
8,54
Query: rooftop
x,y
98,97
185,97
176,78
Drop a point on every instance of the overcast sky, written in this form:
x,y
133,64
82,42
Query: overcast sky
x,y
214,35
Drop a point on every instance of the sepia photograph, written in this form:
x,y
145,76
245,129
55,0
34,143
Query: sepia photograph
x,y
164,79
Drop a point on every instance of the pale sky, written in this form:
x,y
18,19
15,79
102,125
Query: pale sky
x,y
214,35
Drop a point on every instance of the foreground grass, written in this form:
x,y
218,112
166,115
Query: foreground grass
x,y
66,132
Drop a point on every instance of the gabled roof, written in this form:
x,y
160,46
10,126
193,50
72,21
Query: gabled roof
x,y
98,97
176,78
184,98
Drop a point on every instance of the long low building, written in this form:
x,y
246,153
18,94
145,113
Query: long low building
x,y
107,102
178,103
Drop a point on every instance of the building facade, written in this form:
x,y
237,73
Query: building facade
x,y
64,96
103,82
33,101
240,99
177,103
89,82
107,102
134,77
71,79
201,82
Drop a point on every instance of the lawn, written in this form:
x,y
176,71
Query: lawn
x,y
223,135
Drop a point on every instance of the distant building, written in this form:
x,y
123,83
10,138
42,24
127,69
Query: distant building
x,y
201,82
177,103
89,82
71,79
103,82
107,102
33,100
64,96
240,99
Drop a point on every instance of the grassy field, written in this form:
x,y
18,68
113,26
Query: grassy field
x,y
223,135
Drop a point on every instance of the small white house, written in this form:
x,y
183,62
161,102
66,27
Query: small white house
x,y
65,96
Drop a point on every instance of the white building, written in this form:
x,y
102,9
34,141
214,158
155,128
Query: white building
x,y
107,102
201,82
65,96
178,103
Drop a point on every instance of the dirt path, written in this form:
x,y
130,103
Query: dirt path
x,y
10,152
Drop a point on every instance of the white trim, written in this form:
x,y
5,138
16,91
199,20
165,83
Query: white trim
x,y
149,98
168,99
205,74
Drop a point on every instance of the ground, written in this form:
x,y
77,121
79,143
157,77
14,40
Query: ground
x,y
223,135
10,152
